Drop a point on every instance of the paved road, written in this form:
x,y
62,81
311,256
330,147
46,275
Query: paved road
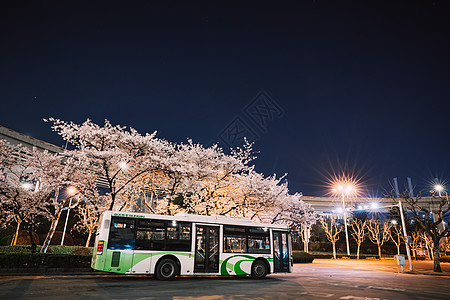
x,y
320,280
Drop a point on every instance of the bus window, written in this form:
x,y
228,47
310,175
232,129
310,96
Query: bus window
x,y
121,235
235,239
178,236
258,244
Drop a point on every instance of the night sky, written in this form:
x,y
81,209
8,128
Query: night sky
x,y
356,85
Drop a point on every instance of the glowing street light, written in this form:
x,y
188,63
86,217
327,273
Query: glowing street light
x,y
71,191
123,165
345,189
438,188
27,186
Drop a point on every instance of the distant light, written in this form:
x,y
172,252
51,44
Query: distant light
x,y
374,205
366,206
348,189
72,190
438,188
340,187
27,185
360,207
339,210
123,165
174,223
394,222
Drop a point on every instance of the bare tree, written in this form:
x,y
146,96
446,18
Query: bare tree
x,y
396,236
430,217
378,233
358,232
415,240
332,231
445,245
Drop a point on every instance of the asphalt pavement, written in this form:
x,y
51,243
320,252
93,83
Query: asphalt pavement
x,y
322,279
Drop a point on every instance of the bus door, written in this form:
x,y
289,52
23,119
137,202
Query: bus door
x,y
280,251
121,243
206,249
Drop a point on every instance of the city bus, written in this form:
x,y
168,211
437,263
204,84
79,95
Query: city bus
x,y
185,244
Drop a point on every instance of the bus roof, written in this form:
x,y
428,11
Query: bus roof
x,y
198,219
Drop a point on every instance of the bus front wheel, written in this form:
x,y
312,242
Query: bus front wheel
x,y
167,269
259,269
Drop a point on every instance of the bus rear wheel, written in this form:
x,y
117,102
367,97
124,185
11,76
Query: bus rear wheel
x,y
167,269
259,269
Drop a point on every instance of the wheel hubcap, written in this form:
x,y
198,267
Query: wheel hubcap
x,y
167,270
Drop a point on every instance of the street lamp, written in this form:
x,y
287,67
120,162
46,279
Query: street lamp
x,y
345,189
439,188
71,191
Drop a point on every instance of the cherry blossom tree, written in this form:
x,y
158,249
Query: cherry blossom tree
x,y
89,212
180,177
29,180
117,155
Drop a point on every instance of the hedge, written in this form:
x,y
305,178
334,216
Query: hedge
x,y
445,259
302,257
51,249
43,260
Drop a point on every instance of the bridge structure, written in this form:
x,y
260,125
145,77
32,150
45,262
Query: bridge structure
x,y
332,206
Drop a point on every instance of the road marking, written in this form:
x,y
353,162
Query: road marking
x,y
358,298
385,288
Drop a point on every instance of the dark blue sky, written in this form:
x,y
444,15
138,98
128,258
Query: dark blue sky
x,y
363,86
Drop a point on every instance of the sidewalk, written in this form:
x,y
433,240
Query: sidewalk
x,y
420,267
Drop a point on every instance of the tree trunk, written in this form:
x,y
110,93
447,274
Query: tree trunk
x,y
33,243
398,249
14,240
379,251
50,233
89,239
436,256
357,251
334,250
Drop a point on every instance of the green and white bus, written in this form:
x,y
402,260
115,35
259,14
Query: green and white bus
x,y
166,246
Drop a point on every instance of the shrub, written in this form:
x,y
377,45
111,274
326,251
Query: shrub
x,y
57,236
41,260
445,258
4,240
24,238
82,251
302,257
77,250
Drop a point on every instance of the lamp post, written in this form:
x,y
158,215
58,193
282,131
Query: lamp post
x,y
71,191
345,190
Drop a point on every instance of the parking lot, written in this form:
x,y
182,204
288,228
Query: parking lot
x,y
321,279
